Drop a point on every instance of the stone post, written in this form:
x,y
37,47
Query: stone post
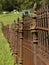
x,y
21,42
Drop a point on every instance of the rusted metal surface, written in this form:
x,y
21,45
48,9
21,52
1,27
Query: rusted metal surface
x,y
42,25
29,39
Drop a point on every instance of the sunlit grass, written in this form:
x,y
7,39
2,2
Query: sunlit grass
x,y
6,57
4,45
9,18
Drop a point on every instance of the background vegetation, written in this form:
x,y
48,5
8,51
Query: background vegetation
x,y
9,5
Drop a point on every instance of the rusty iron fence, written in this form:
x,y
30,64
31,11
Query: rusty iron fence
x,y
29,38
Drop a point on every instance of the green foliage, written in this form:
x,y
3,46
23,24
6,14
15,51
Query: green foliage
x,y
16,4
9,5
0,7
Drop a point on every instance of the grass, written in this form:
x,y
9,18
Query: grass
x,y
7,19
6,57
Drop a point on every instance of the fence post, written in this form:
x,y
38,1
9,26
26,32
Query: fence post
x,y
21,42
17,43
35,47
35,39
